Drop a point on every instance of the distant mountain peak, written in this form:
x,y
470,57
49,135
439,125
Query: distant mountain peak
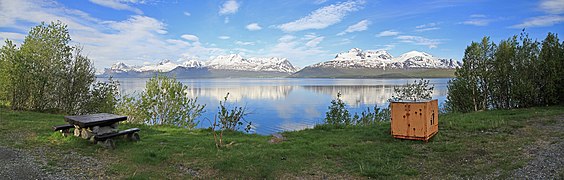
x,y
225,62
357,58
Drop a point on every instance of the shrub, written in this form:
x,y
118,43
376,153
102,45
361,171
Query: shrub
x,y
165,101
103,97
368,117
417,91
338,113
339,116
229,119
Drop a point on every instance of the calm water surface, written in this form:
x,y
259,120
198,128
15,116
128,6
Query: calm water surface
x,y
287,104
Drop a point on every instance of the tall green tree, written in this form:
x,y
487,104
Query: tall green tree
x,y
502,74
551,70
525,92
45,73
46,49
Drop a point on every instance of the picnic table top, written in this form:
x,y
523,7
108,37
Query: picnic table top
x,y
101,119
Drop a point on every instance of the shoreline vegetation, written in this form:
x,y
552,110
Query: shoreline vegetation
x,y
488,144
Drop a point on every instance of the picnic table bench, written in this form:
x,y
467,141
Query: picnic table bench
x,y
98,128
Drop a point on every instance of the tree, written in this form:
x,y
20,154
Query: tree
x,y
77,98
525,91
551,74
46,73
46,50
502,74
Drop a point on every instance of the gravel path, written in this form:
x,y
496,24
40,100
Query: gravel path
x,y
35,164
17,165
547,154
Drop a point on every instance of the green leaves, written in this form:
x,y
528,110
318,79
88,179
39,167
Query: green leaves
x,y
419,90
165,101
45,73
339,116
516,73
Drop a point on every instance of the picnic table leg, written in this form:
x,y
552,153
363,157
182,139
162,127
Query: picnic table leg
x,y
77,131
133,137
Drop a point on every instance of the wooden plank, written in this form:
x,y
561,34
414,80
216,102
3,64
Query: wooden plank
x,y
124,132
101,119
63,127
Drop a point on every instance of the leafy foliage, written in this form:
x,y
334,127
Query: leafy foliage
x,y
47,74
230,119
338,113
518,72
165,101
339,116
417,91
103,97
368,117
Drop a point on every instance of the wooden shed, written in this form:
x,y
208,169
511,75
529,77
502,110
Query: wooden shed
x,y
418,120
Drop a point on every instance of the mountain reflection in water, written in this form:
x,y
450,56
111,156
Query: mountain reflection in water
x,y
286,104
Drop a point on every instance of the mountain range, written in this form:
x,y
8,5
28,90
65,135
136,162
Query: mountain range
x,y
353,63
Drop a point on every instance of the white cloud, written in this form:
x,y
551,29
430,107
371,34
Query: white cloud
x,y
319,1
540,21
12,36
418,40
186,13
360,26
478,20
322,17
119,4
388,47
226,20
133,40
427,27
304,50
229,7
223,37
314,42
478,16
552,6
253,27
190,37
388,33
286,38
244,43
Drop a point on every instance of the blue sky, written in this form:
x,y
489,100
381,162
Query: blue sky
x,y
140,32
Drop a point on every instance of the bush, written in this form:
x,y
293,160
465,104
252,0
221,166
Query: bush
x,y
419,90
230,119
164,101
339,116
103,97
368,117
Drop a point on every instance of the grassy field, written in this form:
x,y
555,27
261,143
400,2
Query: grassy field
x,y
475,145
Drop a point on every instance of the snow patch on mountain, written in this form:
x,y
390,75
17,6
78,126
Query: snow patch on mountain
x,y
357,58
227,62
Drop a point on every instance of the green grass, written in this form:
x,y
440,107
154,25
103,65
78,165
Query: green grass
x,y
472,145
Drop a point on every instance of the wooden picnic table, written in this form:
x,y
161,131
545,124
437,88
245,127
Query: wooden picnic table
x,y
90,120
98,127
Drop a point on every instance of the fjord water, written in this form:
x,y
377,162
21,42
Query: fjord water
x,y
287,104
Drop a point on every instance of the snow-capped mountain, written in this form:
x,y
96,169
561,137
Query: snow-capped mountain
x,y
228,62
356,58
236,62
